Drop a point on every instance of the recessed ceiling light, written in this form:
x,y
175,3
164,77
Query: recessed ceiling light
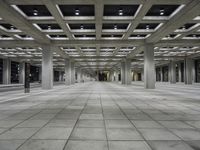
x,y
81,27
194,35
120,12
162,12
49,27
183,28
35,12
115,27
11,27
77,12
147,27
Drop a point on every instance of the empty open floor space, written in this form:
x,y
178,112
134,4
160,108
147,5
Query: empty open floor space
x,y
102,116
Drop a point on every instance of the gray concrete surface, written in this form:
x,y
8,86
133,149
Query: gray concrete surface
x,y
102,116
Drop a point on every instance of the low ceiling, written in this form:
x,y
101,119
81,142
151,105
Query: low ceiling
x,y
98,34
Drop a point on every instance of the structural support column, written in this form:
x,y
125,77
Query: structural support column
x,y
161,75
116,74
47,67
126,72
188,70
123,72
60,76
142,74
172,71
149,67
6,71
78,75
72,73
179,72
67,72
22,72
128,77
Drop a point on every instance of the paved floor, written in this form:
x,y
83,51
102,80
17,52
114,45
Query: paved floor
x,y
102,116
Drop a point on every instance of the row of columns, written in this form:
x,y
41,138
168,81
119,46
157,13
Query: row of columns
x,y
188,71
46,74
149,75
149,68
7,71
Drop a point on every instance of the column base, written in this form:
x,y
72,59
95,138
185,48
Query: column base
x,y
27,90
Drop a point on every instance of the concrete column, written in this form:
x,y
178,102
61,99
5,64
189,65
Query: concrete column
x,y
123,72
72,73
188,63
111,76
116,74
161,75
97,78
6,71
142,75
179,72
78,75
149,67
67,72
128,78
47,67
60,76
193,72
22,72
172,71
40,74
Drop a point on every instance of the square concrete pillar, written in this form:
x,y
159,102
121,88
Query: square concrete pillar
x,y
179,72
116,74
72,73
128,78
21,72
123,72
172,70
161,75
78,75
188,63
60,76
149,67
6,71
67,72
142,74
47,67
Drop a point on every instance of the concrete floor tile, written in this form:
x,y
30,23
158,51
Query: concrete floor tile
x,y
88,134
91,116
9,123
53,133
118,124
158,134
195,124
187,134
86,145
18,133
175,124
146,124
61,123
43,145
33,123
10,144
128,145
194,144
91,123
169,145
123,134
